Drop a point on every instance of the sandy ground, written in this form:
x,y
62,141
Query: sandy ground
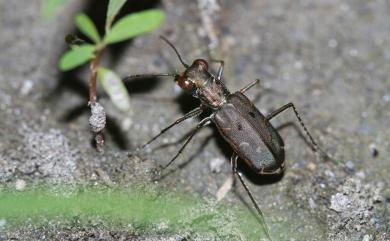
x,y
330,58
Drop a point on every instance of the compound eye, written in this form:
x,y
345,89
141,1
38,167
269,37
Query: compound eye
x,y
185,84
202,64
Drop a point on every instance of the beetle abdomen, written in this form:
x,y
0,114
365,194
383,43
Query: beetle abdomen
x,y
245,129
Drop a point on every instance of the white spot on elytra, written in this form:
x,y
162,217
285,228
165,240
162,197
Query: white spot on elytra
x,y
244,145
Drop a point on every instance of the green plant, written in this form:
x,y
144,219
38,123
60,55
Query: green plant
x,y
145,208
81,52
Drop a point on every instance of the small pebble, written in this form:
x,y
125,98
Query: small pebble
x,y
20,185
358,227
367,237
373,150
26,87
350,165
126,124
329,173
339,202
361,174
2,223
353,52
216,164
312,204
332,43
311,166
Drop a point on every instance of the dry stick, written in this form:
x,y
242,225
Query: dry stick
x,y
92,80
99,138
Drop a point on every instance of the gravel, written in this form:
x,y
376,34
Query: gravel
x,y
330,58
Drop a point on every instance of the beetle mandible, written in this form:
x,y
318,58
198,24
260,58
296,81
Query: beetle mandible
x,y
249,133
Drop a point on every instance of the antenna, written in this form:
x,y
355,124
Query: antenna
x,y
177,52
134,76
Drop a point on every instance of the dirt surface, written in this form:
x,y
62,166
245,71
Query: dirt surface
x,y
330,58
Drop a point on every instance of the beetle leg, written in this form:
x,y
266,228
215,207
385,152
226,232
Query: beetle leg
x,y
220,69
195,112
233,162
201,124
250,85
314,146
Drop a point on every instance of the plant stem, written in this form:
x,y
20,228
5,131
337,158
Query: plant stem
x,y
92,81
99,138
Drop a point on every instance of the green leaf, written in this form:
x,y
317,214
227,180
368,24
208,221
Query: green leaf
x,y
113,9
87,27
76,56
115,88
134,24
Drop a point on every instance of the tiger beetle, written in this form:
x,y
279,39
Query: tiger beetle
x,y
250,134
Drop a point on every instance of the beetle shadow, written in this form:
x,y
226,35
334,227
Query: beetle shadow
x,y
262,92
247,204
257,178
195,154
70,80
187,103
142,85
298,130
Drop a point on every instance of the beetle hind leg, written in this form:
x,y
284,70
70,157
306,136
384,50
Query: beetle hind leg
x,y
233,162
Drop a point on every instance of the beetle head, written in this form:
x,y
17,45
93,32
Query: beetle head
x,y
194,76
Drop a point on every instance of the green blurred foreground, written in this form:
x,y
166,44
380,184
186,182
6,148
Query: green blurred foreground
x,y
152,211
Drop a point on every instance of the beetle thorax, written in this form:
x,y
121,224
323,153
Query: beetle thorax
x,y
207,88
212,93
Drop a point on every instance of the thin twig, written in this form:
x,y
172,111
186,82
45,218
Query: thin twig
x,y
92,80
99,138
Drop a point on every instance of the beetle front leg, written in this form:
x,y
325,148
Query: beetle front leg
x,y
195,112
202,123
220,69
250,85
